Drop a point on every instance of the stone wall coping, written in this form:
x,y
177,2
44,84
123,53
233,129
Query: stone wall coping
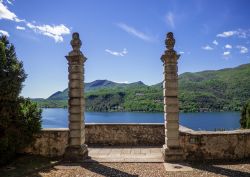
x,y
121,124
229,132
182,129
55,129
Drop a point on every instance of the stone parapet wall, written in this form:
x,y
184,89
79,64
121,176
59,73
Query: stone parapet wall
x,y
197,145
53,141
50,142
125,134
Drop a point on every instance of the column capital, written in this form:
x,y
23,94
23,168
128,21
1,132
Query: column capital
x,y
76,53
170,55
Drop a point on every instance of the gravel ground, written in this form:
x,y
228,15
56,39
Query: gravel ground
x,y
232,169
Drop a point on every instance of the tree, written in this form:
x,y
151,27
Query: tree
x,y
19,118
245,116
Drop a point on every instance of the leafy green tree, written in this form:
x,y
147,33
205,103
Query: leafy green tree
x,y
245,116
19,117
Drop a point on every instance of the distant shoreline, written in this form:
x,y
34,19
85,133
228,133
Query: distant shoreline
x,y
142,111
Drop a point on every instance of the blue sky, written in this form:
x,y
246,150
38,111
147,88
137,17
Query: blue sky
x,y
123,40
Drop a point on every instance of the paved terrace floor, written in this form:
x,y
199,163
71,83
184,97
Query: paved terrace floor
x,y
125,154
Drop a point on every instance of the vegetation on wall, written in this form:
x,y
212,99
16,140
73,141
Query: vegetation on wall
x,y
19,118
245,116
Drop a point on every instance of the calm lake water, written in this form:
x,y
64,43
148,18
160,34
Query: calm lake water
x,y
58,118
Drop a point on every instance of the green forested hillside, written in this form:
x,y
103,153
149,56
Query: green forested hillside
x,y
226,89
221,90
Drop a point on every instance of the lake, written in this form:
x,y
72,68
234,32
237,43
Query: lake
x,y
58,118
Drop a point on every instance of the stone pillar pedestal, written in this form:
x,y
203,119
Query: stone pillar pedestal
x,y
77,149
171,148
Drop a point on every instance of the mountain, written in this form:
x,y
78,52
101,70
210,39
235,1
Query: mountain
x,y
226,89
215,90
95,85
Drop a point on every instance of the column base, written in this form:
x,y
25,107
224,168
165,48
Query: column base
x,y
76,153
172,154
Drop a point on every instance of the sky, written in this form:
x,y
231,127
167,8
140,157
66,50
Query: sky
x,y
123,40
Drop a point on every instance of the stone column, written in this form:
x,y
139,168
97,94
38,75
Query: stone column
x,y
77,149
171,148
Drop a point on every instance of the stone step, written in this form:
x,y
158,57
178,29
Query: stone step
x,y
113,159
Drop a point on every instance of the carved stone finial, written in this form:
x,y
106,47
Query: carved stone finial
x,y
76,43
170,41
170,54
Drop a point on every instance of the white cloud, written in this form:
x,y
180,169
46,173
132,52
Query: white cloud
x,y
228,46
20,28
5,33
121,54
227,34
239,33
243,49
215,42
181,52
133,31
170,19
227,53
5,13
207,47
56,31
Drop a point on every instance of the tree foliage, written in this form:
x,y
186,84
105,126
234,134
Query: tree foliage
x,y
245,116
19,117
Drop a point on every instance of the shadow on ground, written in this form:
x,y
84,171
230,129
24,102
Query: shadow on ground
x,y
84,169
36,166
228,168
105,170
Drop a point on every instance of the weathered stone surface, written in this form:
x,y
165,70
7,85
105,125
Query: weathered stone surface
x,y
170,92
172,154
74,141
75,110
75,125
76,84
171,109
172,77
196,145
76,153
174,125
170,84
171,101
172,142
172,80
75,93
50,142
75,116
76,101
125,134
75,134
171,105
75,76
75,68
170,68
76,105
171,116
215,145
